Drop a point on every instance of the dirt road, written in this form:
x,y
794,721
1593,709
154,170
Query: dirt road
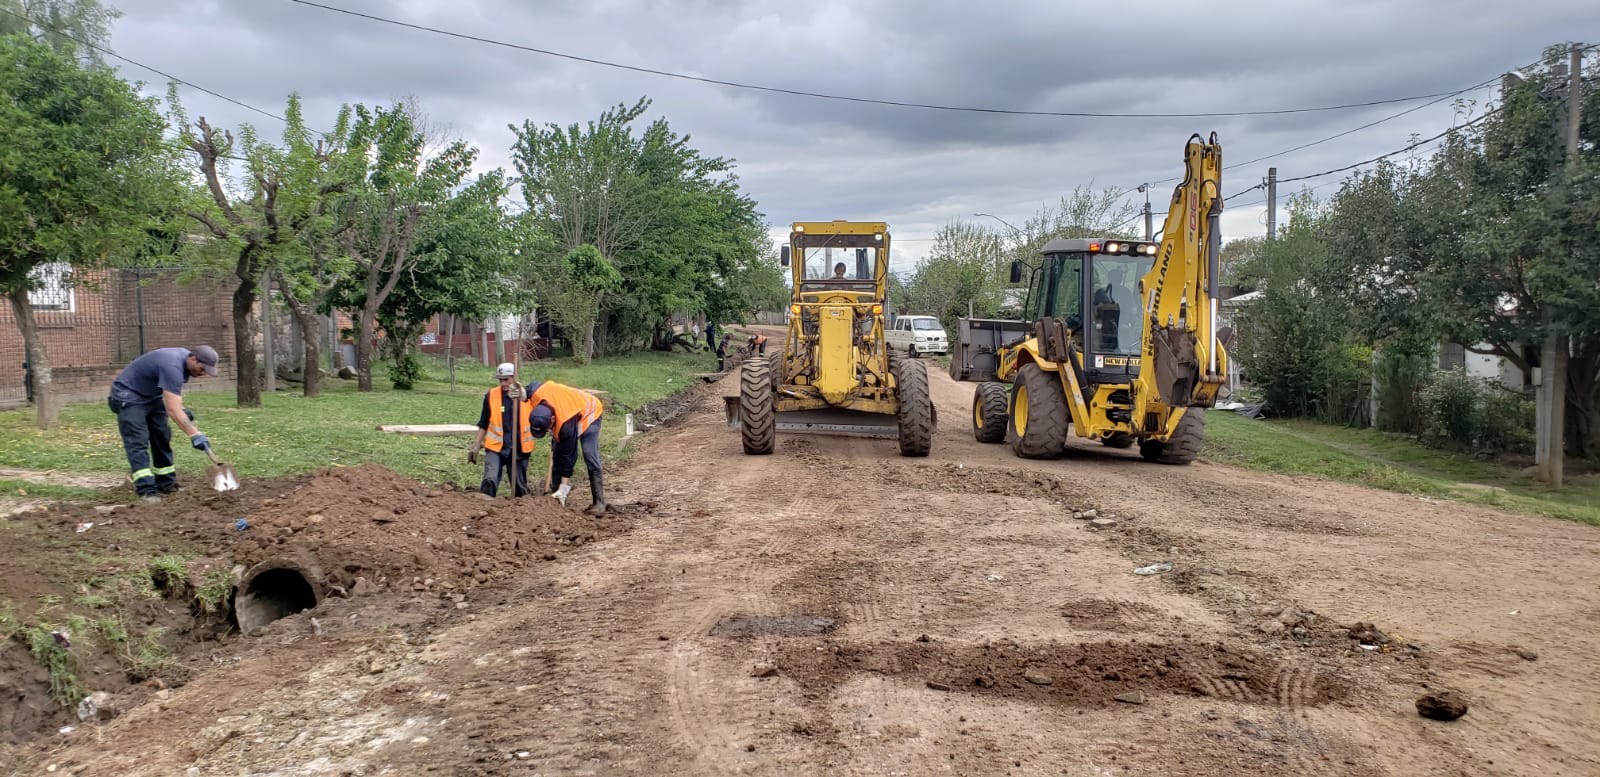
x,y
836,609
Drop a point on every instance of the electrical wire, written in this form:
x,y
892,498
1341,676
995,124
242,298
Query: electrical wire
x,y
157,71
847,98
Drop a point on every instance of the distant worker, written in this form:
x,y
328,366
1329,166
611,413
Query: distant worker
x,y
711,333
759,343
572,417
497,423
144,395
839,271
722,352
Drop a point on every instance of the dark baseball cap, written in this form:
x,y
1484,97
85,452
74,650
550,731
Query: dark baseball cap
x,y
207,356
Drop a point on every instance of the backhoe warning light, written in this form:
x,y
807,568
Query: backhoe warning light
x,y
1094,246
1112,248
794,309
877,310
1149,249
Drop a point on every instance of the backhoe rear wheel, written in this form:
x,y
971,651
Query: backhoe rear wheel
x,y
1184,445
989,417
915,413
1039,416
758,417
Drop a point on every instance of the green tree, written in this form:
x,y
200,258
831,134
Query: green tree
x,y
465,267
574,289
395,180
254,217
84,173
75,28
669,220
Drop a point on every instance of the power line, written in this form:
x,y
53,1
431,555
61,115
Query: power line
x,y
1379,157
157,71
847,98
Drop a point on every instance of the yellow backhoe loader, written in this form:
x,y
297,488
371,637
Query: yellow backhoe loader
x,y
1120,342
834,374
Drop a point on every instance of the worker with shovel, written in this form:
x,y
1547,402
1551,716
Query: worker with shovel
x,y
147,393
572,416
504,417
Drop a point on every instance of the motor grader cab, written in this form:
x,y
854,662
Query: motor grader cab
x,y
1122,345
834,374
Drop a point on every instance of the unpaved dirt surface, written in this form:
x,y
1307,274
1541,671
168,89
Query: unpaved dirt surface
x,y
836,609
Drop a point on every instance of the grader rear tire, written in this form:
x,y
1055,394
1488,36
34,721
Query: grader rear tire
x,y
1039,415
1184,445
989,417
758,417
915,413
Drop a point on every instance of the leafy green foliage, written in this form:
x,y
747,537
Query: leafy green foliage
x,y
84,172
670,221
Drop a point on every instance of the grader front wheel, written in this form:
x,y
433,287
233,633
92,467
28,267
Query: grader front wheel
x,y
989,412
915,414
758,417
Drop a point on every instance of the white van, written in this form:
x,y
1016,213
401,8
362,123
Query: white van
x,y
917,335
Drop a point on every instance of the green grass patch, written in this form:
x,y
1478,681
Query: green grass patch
x,y
1392,463
33,490
291,434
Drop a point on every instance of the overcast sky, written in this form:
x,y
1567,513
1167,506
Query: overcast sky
x,y
803,158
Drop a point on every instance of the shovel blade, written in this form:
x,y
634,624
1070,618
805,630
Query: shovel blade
x,y
223,478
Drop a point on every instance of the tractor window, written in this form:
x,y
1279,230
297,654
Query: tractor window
x,y
1116,317
1062,289
839,264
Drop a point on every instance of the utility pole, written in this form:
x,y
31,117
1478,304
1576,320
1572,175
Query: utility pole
x,y
1149,222
1272,203
1551,427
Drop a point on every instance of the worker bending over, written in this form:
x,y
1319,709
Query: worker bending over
x,y
144,395
572,417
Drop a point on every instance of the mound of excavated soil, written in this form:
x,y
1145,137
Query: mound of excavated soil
x,y
349,531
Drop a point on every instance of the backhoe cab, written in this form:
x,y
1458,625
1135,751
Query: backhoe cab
x,y
834,373
1123,345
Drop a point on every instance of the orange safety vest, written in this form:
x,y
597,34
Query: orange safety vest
x,y
494,436
567,402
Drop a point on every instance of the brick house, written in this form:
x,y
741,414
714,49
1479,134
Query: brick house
x,y
105,318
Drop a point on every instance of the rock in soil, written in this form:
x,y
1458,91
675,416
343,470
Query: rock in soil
x,y
1368,634
1037,678
1131,697
764,670
938,686
1528,654
1445,705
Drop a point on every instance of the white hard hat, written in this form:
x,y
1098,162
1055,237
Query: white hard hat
x,y
507,370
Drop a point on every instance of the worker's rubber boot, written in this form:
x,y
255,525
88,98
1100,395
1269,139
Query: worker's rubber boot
x,y
599,491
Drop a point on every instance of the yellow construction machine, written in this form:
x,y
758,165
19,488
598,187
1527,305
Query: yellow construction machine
x,y
834,373
1120,342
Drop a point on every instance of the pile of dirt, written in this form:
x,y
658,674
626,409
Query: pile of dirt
x,y
128,604
1074,675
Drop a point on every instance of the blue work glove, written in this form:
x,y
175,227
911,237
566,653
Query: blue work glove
x,y
199,441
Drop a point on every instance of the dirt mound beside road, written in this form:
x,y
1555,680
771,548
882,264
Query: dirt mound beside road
x,y
150,588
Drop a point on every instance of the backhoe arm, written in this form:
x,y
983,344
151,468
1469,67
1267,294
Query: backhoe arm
x,y
1184,362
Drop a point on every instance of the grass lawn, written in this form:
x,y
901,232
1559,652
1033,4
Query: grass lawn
x,y
290,433
1392,463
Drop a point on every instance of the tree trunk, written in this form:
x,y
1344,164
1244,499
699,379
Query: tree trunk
x,y
248,392
44,399
366,317
1583,408
310,346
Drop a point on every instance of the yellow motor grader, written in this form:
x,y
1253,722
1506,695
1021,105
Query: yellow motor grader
x,y
1120,342
834,374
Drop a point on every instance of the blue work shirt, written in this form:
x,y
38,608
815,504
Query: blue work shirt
x,y
146,377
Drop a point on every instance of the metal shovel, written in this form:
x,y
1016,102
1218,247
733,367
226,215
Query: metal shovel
x,y
222,476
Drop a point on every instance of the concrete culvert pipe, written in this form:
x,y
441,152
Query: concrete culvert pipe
x,y
270,592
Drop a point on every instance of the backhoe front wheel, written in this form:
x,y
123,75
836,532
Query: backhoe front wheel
x,y
989,417
915,413
758,417
1039,416
1184,445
